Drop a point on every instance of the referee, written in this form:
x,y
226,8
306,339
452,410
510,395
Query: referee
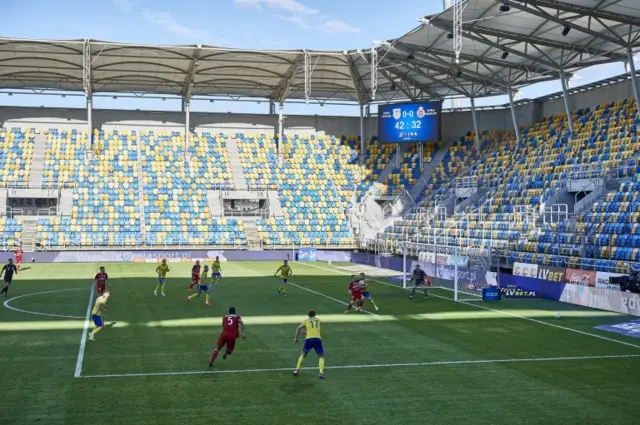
x,y
8,270
418,279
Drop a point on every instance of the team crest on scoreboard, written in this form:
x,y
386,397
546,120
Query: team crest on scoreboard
x,y
397,113
421,112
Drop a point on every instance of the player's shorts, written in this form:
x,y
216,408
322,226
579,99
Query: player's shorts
x,y
313,344
195,279
284,280
419,283
7,281
18,260
366,294
203,288
227,340
100,288
356,296
161,280
217,275
97,320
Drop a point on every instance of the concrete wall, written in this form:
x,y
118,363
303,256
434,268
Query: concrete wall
x,y
590,98
454,124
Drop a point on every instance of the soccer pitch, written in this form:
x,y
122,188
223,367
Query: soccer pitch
x,y
414,361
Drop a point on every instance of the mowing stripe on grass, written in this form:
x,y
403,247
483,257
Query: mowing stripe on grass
x,y
499,311
83,340
6,304
369,366
326,296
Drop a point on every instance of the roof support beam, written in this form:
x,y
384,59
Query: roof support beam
x,y
361,91
553,67
596,12
283,89
537,11
412,65
477,33
400,84
191,74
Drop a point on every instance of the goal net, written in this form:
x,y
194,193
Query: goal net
x,y
462,277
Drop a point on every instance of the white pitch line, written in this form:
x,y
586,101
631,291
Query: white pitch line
x,y
502,312
6,304
83,340
369,366
326,296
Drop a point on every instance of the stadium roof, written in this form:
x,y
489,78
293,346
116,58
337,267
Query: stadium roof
x,y
499,49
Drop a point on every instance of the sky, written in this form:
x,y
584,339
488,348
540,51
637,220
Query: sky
x,y
256,24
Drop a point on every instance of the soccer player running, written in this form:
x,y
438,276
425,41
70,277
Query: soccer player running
x,y
232,328
8,270
366,293
285,271
356,294
195,275
96,314
216,271
312,340
419,278
162,271
203,286
100,279
19,254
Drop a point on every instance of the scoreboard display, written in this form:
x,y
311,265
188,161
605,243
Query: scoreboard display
x,y
409,122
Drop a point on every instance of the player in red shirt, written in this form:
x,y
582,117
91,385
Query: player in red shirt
x,y
18,257
195,275
232,328
100,280
356,294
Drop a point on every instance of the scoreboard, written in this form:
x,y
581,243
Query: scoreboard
x,y
409,122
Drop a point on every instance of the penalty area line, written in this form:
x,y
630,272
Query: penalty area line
x,y
83,340
506,313
327,297
367,366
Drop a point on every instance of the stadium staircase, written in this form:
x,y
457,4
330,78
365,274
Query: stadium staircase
x,y
429,169
251,233
391,165
29,231
143,221
37,160
3,202
65,205
214,201
275,206
235,161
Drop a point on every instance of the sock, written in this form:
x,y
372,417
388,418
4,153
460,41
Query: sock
x,y
158,288
425,292
161,288
300,361
413,291
206,298
213,356
350,305
321,365
360,303
192,296
374,304
5,290
283,289
191,286
96,330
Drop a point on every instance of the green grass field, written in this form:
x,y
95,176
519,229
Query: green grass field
x,y
422,361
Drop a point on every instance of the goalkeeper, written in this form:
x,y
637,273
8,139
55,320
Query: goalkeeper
x,y
419,278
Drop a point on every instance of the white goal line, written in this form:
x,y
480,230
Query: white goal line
x,y
367,366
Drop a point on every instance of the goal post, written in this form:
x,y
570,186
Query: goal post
x,y
460,277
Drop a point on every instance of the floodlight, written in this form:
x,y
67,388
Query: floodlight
x,y
565,30
381,43
504,55
424,20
